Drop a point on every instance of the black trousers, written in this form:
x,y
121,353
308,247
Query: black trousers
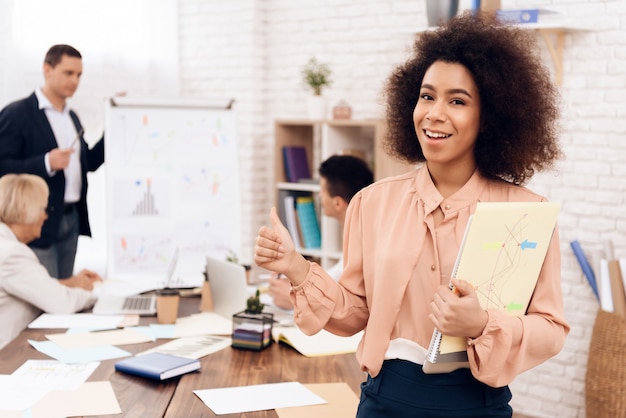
x,y
402,389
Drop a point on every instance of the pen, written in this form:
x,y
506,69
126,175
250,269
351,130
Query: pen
x,y
78,135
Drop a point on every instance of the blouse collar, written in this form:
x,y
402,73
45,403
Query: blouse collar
x,y
467,196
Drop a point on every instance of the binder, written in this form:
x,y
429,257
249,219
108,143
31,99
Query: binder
x,y
311,235
501,255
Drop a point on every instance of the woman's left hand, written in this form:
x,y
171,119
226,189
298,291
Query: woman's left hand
x,y
458,312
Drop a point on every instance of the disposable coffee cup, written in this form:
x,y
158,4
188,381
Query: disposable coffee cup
x,y
167,300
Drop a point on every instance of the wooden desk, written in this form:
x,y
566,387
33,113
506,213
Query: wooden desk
x,y
142,398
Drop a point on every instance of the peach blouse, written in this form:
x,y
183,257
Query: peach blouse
x,y
394,259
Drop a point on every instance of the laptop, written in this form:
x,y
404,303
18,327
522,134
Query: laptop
x,y
230,291
228,286
145,305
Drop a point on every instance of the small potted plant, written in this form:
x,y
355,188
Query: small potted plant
x,y
252,328
316,76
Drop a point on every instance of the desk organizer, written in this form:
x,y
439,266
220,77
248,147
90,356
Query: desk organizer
x,y
605,381
252,331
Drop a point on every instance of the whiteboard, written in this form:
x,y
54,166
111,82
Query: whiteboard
x,y
172,183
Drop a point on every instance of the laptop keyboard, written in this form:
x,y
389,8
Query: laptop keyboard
x,y
137,303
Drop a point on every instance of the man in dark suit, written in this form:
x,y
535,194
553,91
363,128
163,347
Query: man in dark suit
x,y
41,135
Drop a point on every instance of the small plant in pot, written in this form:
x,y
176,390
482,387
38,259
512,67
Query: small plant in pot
x,y
316,76
254,305
252,328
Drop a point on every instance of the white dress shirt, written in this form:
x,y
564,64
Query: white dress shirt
x,y
65,134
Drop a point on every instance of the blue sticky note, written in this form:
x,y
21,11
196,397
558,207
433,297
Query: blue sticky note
x,y
78,355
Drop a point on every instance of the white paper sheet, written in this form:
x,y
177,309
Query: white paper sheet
x,y
99,338
18,393
61,375
78,320
192,347
241,399
82,355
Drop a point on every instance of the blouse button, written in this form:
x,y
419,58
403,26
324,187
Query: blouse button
x,y
433,267
447,207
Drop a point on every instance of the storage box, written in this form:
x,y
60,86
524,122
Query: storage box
x,y
252,331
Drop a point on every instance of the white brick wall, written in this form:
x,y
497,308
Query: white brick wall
x,y
253,50
362,40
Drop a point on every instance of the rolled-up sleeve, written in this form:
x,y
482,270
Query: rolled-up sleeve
x,y
339,307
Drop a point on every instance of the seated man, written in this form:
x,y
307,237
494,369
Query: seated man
x,y
341,177
26,288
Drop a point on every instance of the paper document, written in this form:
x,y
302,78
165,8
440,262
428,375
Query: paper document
x,y
202,324
342,403
60,375
192,347
81,355
91,398
18,393
323,343
99,338
78,320
237,400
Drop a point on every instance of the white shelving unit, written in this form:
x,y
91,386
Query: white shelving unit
x,y
321,139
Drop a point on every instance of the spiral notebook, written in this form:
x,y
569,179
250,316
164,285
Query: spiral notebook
x,y
502,252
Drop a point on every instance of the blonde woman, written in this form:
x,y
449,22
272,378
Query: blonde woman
x,y
26,288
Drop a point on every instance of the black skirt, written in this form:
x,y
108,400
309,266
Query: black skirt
x,y
402,389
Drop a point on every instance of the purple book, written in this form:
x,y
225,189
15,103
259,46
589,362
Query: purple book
x,y
296,163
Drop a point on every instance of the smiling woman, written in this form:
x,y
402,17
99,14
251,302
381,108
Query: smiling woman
x,y
447,121
453,106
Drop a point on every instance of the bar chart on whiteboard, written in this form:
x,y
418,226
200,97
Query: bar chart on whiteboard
x,y
172,183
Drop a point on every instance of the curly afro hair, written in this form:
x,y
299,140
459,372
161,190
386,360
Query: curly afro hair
x,y
519,102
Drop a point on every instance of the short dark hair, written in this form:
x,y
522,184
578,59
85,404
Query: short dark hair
x,y
345,175
56,52
519,103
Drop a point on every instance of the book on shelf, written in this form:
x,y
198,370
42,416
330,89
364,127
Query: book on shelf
x,y
157,366
501,255
296,163
523,16
289,205
309,226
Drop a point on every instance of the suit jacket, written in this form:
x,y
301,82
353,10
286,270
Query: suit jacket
x,y
26,288
25,138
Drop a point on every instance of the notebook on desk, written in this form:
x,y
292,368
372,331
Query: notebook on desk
x,y
113,304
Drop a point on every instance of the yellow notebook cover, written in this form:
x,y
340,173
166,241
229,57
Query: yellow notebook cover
x,y
502,252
